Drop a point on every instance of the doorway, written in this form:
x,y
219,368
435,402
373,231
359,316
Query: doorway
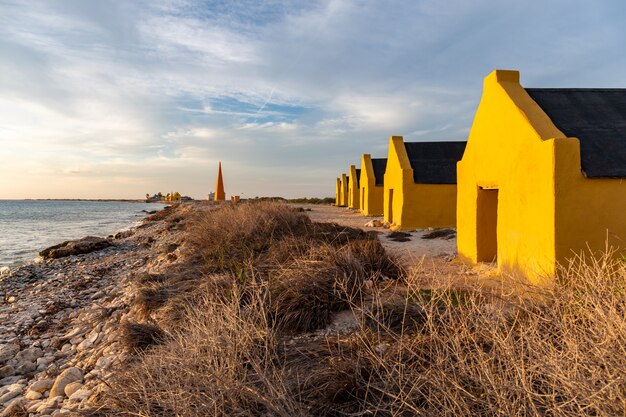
x,y
487,225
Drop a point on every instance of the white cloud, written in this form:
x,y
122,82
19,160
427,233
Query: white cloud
x,y
149,95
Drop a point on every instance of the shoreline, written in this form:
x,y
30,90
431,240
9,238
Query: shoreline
x,y
19,262
98,200
60,318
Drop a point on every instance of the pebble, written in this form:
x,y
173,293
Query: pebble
x,y
72,387
42,385
52,325
81,395
69,375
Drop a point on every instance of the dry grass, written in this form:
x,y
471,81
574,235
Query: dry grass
x,y
241,339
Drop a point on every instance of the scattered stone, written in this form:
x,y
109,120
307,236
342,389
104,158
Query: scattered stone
x,y
10,395
6,371
26,368
75,247
72,387
374,223
103,362
15,409
81,395
8,352
33,395
66,377
42,385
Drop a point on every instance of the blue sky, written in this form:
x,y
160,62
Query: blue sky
x,y
115,98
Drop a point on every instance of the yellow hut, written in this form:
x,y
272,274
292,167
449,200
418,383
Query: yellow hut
x,y
372,185
542,178
343,190
338,192
354,188
420,183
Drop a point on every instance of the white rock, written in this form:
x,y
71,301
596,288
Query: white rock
x,y
81,395
29,355
103,362
8,352
67,376
33,406
9,396
72,387
42,385
33,395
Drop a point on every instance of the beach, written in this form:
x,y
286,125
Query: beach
x,y
298,309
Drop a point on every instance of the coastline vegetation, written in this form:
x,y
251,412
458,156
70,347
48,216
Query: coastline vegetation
x,y
274,315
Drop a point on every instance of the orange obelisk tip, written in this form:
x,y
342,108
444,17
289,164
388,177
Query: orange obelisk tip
x,y
219,187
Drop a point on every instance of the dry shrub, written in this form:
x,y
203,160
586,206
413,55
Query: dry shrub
x,y
241,343
232,235
221,363
306,294
137,337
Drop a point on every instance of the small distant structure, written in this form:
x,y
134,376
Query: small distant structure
x,y
372,182
344,190
420,183
220,195
234,198
173,196
353,188
212,196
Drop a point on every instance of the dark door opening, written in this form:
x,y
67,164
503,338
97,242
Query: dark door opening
x,y
487,225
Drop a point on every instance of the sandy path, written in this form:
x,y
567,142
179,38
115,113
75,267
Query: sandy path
x,y
433,261
412,251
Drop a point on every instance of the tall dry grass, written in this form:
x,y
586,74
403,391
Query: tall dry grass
x,y
247,336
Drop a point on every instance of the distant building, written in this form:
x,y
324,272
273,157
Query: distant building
x,y
371,182
353,188
344,190
420,183
212,196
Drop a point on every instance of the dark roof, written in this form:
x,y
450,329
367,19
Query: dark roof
x,y
597,117
358,178
434,162
379,165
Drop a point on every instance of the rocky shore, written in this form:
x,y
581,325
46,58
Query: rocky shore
x,y
60,318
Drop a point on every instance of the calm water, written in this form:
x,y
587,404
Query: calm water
x,y
26,227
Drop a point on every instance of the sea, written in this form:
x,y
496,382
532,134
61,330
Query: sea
x,y
28,226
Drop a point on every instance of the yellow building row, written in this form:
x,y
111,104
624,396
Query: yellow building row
x,y
540,179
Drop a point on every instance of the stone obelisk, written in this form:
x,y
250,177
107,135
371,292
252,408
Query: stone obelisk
x,y
219,187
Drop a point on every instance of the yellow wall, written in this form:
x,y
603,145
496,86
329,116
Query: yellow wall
x,y
354,201
371,195
338,192
589,212
408,205
545,207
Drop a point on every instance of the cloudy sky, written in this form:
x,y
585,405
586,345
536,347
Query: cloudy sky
x,y
117,98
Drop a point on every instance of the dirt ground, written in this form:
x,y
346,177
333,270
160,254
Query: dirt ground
x,y
432,260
